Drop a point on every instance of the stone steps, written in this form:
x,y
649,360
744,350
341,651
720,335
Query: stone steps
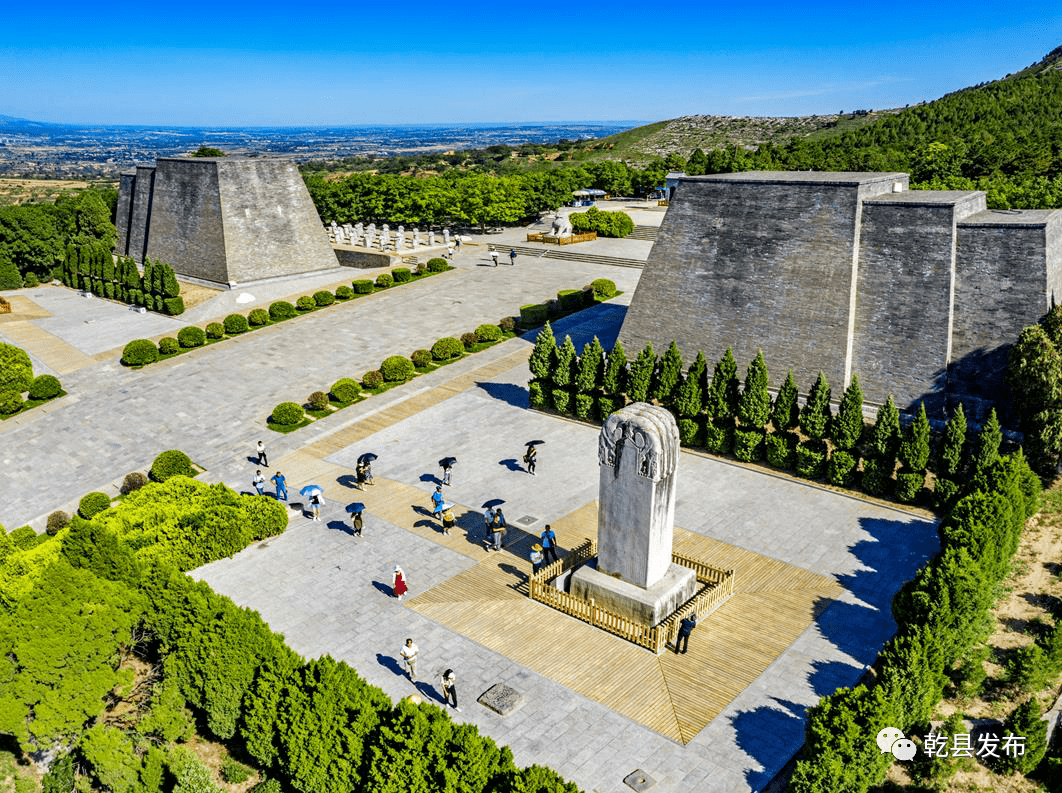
x,y
571,256
643,233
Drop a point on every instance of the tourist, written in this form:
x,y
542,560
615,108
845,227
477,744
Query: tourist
x,y
259,482
448,521
682,642
494,256
315,506
498,528
409,658
488,519
357,523
536,558
281,485
398,581
549,544
437,501
512,256
530,458
262,459
450,251
457,243
447,469
366,473
449,687
360,475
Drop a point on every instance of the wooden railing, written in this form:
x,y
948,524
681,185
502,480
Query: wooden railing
x,y
715,586
542,236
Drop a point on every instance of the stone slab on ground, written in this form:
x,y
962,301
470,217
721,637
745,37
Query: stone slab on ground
x,y
501,699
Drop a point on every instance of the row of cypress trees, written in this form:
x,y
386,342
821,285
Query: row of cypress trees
x,y
723,415
91,267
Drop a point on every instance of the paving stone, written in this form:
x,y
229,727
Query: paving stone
x,y
502,699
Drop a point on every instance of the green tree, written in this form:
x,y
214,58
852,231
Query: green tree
x,y
1034,374
951,448
563,363
885,436
614,381
591,363
847,426
112,757
668,375
640,375
754,406
724,391
697,163
689,400
914,448
815,415
786,412
1025,721
208,151
543,354
986,449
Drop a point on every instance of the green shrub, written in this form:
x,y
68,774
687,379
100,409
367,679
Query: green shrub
x,y
24,537
877,476
10,402
437,265
362,286
780,450
171,463
587,295
841,469
16,370
191,337
486,333
140,352
345,389
384,280
45,386
909,484
446,348
287,414
690,432
421,358
57,521
606,224
944,492
30,280
373,379
344,293
93,504
324,298
169,346
318,400
533,315
235,324
606,406
810,460
1025,720
468,340
562,399
215,330
748,445
281,310
584,404
172,306
133,481
267,786
397,369
305,303
604,288
507,324
536,396
402,275
258,317
570,299
718,438
234,773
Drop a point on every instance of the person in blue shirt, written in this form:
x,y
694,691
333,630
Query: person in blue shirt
x,y
281,485
549,544
437,501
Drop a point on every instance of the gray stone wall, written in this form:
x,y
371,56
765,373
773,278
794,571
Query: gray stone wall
x,y
185,229
903,303
140,213
126,188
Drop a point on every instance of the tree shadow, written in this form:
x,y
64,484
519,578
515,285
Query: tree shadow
x,y
770,736
511,394
512,464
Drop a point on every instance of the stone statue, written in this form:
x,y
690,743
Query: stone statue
x,y
562,227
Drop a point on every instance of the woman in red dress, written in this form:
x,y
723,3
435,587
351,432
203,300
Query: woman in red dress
x,y
398,582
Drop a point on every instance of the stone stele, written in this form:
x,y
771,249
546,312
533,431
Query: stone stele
x,y
638,452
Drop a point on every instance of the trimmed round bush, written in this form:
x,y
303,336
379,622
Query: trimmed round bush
x,y
689,431
305,303
287,414
373,379
533,315
488,333
536,395
437,265
363,286
909,485
57,521
258,317
604,288
16,370
397,369
841,468
191,337
215,330
402,275
171,463
507,324
318,400
345,389
169,346
810,460
344,293
324,298
172,306
446,348
234,773
570,299
607,405
584,404
748,445
384,280
133,481
140,352
717,439
468,340
562,400
45,386
281,310
31,280
93,504
421,358
780,450
10,402
944,492
235,324
877,477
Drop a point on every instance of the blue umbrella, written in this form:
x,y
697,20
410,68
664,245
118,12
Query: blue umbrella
x,y
355,508
311,490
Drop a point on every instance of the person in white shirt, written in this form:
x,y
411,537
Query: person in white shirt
x,y
409,658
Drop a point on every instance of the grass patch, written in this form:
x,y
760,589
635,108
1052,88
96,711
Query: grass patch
x,y
285,428
29,404
320,414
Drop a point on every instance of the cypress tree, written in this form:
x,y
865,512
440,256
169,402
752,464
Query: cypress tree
x,y
668,375
689,399
641,374
542,356
885,437
986,450
132,274
847,426
754,407
1025,721
1034,374
952,444
157,278
148,277
588,376
170,287
723,393
815,415
1052,324
614,381
914,448
786,413
564,363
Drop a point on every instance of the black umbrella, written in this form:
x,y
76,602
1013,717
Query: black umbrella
x,y
355,507
494,502
447,462
368,457
534,443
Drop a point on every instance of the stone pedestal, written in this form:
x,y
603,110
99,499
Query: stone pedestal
x,y
646,605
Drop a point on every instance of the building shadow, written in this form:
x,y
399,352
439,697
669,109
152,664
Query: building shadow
x,y
510,393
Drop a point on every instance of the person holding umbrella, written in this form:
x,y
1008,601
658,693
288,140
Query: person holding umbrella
x,y
364,468
355,510
447,465
398,582
531,456
313,495
498,528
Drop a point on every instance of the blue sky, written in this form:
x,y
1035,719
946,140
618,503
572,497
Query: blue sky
x,y
416,62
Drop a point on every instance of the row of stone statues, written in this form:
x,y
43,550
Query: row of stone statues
x,y
359,235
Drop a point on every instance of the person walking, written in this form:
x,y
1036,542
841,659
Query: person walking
x,y
536,558
682,641
409,658
281,484
437,501
398,582
315,506
448,520
366,471
494,256
488,520
447,470
262,459
357,524
512,256
457,243
259,482
498,528
549,544
530,459
449,687
450,251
